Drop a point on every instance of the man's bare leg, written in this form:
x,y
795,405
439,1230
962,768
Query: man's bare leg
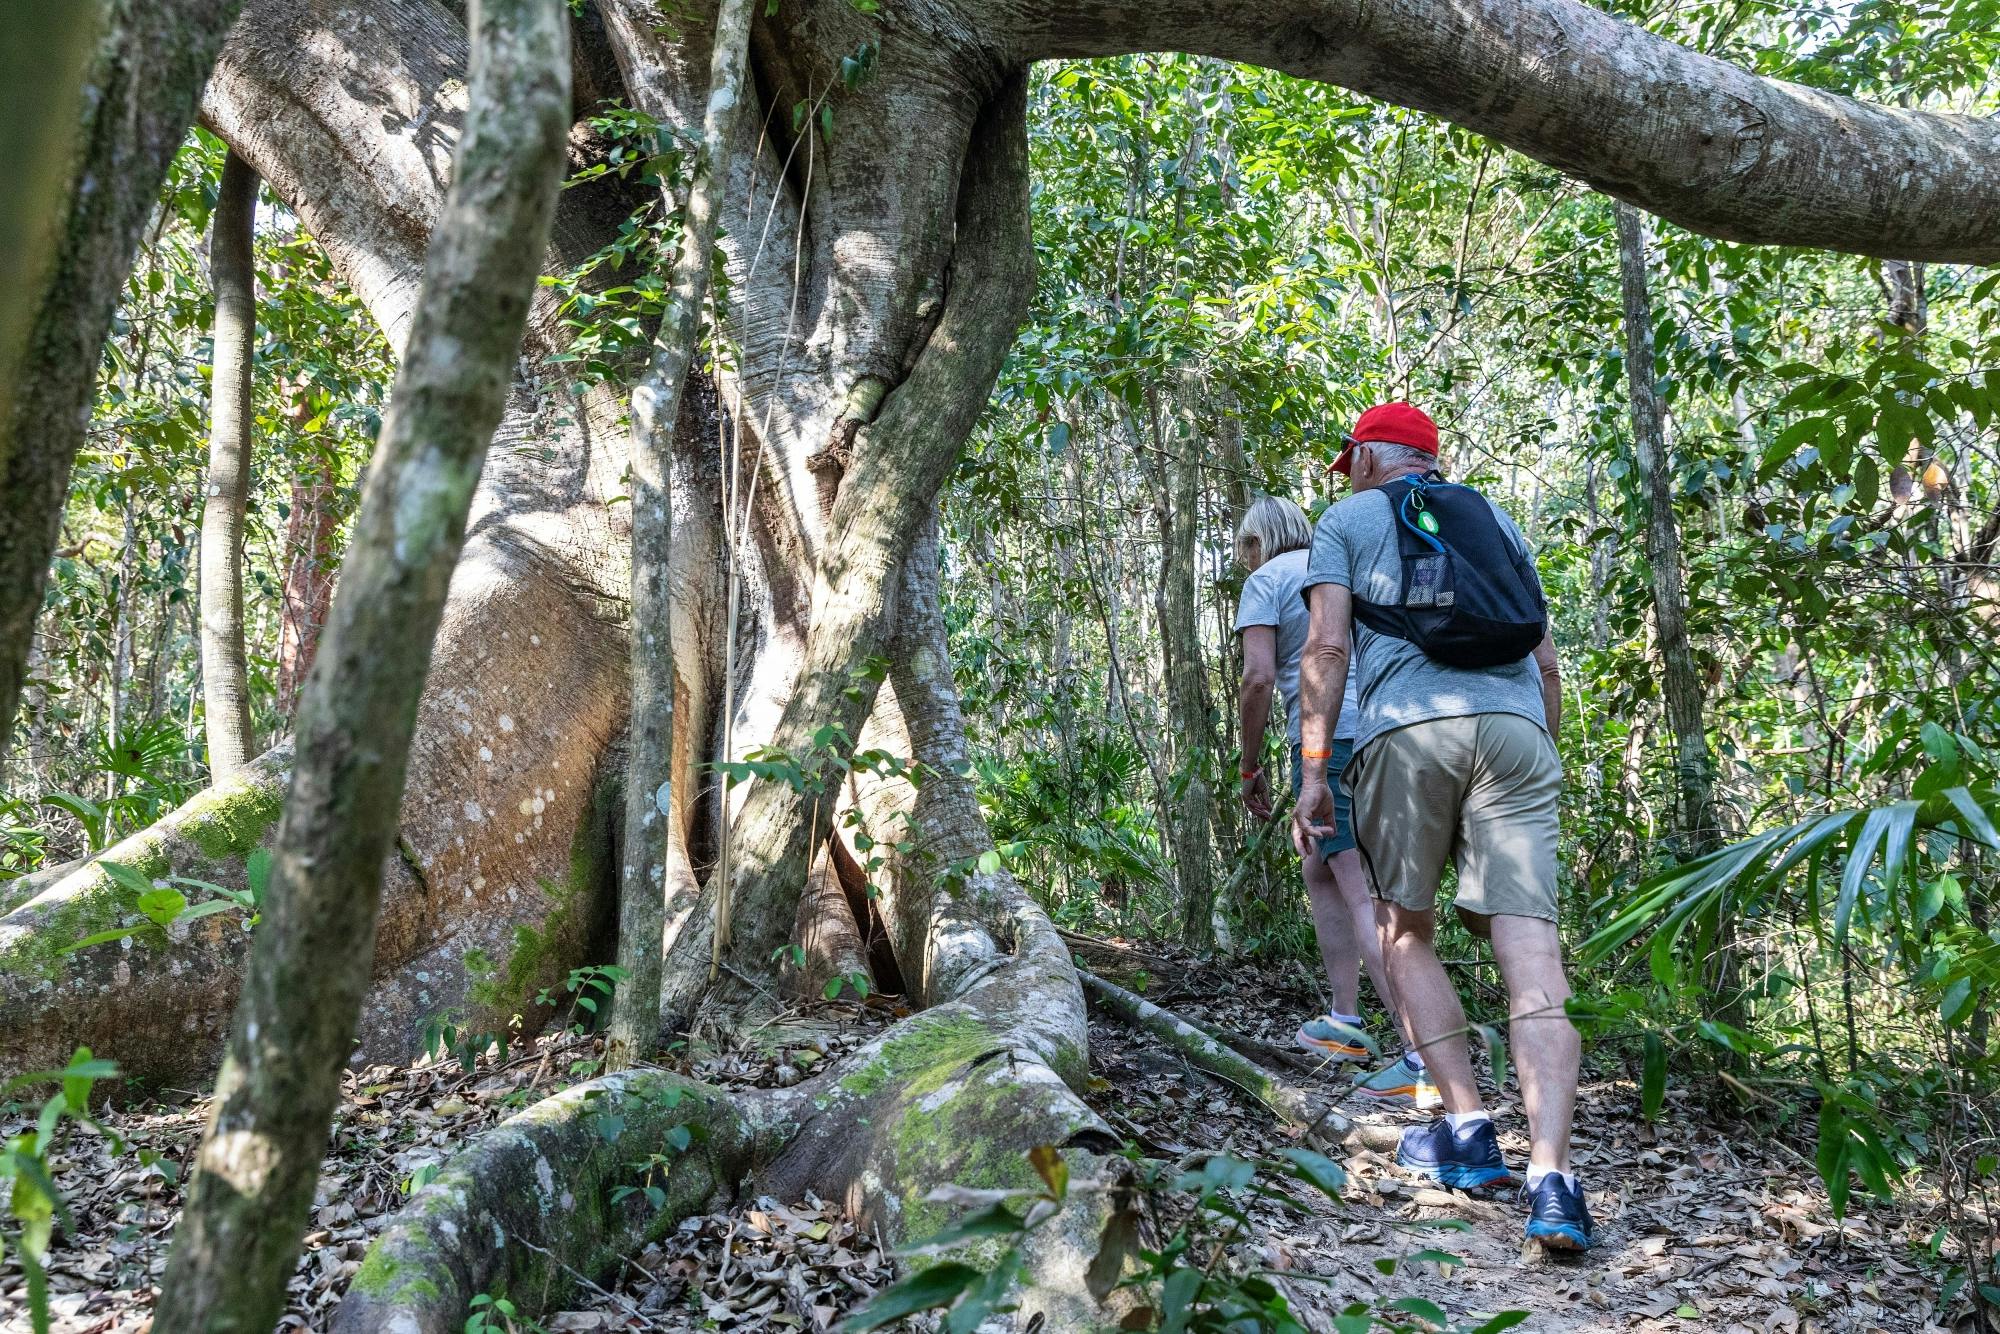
x,y
1333,924
1547,1050
1429,1002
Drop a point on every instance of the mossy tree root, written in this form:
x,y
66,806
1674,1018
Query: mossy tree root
x,y
530,1206
160,992
952,1096
1316,1116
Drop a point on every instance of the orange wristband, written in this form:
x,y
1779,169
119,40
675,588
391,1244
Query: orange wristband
x,y
1316,754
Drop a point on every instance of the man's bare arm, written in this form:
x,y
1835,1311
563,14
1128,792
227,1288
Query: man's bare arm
x,y
1552,685
1322,686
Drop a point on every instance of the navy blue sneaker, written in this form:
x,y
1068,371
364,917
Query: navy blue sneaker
x,y
1557,1216
1469,1160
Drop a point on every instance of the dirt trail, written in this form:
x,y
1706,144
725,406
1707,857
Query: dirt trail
x,y
1706,1223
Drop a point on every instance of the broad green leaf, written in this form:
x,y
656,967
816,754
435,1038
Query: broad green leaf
x,y
925,1290
995,1220
1653,1084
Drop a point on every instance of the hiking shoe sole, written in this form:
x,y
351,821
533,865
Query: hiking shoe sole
x,y
1559,1236
1457,1176
1337,1051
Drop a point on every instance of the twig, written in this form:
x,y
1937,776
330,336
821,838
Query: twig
x,y
1291,1103
622,1303
1078,940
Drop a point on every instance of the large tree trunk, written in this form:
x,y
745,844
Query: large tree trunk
x,y
225,672
838,253
148,70
310,966
309,534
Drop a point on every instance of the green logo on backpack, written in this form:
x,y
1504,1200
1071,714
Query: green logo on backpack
x,y
1428,522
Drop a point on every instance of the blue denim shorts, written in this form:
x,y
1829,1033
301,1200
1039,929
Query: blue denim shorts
x,y
1343,807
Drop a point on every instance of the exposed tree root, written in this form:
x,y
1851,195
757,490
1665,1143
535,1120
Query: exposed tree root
x,y
162,991
954,1095
1322,1124
528,1207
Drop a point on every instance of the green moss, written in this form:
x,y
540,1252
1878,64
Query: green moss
x,y
383,1275
539,957
928,1052
228,822
512,986
1071,1063
964,1141
101,905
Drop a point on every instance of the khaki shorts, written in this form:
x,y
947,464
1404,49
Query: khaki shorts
x,y
1478,791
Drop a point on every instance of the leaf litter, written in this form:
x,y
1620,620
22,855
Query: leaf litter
x,y
1706,1221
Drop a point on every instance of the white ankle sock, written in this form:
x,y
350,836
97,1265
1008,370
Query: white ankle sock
x,y
1351,1020
1535,1175
1458,1121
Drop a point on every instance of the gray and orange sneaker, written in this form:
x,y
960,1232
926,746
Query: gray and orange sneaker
x,y
1336,1040
1400,1085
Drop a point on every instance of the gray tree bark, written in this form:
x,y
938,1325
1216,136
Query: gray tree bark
x,y
887,486
1692,139
141,88
837,251
239,1236
42,68
1698,826
225,671
649,806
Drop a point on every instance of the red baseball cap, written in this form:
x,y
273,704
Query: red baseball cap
x,y
1390,424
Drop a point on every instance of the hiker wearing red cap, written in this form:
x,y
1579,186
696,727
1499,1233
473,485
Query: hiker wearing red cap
x,y
1454,760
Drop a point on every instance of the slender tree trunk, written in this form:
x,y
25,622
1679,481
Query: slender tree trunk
x,y
225,673
649,809
42,69
1187,694
309,966
1698,827
147,72
308,593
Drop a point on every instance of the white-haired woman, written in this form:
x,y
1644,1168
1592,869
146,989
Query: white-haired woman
x,y
1272,543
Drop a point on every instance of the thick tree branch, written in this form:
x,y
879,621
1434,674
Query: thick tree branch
x,y
1695,140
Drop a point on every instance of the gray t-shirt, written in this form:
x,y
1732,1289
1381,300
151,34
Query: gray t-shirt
x,y
1271,596
1354,545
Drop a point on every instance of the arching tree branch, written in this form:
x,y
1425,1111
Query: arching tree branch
x,y
1695,140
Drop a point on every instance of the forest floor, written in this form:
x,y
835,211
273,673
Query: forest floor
x,y
1705,1222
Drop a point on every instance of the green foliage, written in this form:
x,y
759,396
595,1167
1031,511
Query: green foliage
x,y
111,734
34,1204
162,904
1192,1282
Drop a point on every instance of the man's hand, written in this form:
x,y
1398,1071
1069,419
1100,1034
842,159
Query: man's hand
x,y
1256,794
1312,818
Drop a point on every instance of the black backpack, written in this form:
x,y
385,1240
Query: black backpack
x,y
1469,598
